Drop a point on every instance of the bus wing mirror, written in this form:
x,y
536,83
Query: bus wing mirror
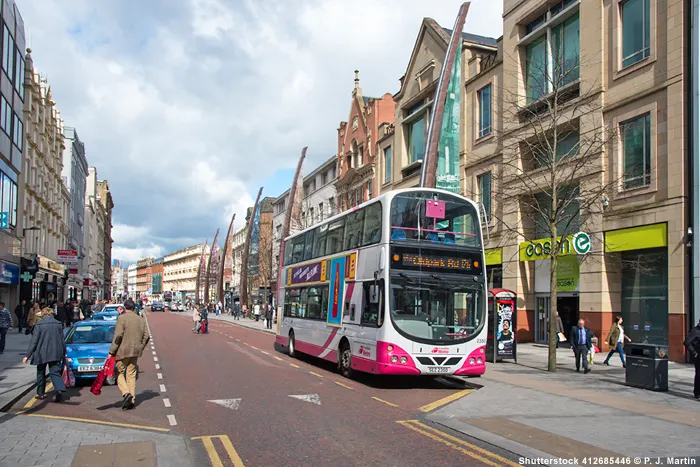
x,y
374,294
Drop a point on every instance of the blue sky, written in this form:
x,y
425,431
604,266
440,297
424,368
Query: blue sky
x,y
187,107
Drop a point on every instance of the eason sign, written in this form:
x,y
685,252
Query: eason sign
x,y
576,244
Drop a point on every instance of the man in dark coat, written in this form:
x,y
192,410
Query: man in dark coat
x,y
692,343
580,339
61,314
47,348
21,313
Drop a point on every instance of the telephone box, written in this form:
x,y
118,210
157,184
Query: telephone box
x,y
500,343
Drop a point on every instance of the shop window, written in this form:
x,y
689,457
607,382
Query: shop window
x,y
494,276
635,18
636,152
645,295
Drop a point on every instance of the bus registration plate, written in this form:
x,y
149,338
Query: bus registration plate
x,y
438,369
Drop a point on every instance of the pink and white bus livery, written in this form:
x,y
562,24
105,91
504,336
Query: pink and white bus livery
x,y
396,285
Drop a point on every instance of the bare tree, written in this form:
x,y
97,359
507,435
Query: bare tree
x,y
553,178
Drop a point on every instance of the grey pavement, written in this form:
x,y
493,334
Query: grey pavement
x,y
537,414
15,378
244,322
35,441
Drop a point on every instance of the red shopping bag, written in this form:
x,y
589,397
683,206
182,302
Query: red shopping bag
x,y
106,371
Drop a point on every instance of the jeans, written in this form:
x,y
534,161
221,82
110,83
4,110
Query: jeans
x,y
54,373
618,348
3,332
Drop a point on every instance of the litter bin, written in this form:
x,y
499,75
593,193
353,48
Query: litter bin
x,y
647,366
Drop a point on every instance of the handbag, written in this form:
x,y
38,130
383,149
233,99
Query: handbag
x,y
107,370
68,377
562,337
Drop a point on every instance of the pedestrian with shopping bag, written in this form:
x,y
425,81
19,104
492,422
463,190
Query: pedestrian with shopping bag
x,y
130,338
47,349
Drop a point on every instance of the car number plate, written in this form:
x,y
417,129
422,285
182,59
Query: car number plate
x,y
89,368
438,369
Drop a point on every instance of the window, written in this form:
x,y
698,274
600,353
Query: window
x,y
334,237
309,248
387,164
372,231
331,206
359,195
278,231
552,60
636,152
371,303
484,96
8,53
306,302
484,182
353,230
18,134
8,198
369,190
568,217
568,145
320,243
634,15
320,211
416,140
6,116
312,217
19,74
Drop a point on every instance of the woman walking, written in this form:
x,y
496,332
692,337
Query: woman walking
x,y
47,348
616,340
31,317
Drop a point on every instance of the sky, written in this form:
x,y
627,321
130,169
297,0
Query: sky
x,y
187,107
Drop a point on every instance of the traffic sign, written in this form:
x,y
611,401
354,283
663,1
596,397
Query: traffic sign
x,y
4,220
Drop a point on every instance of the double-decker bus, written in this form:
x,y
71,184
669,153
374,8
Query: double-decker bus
x,y
396,285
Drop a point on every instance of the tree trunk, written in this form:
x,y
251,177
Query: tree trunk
x,y
553,310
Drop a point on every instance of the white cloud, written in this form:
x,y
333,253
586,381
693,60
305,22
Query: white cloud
x,y
188,107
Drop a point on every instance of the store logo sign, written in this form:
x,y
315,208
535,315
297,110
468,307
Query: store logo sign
x,y
532,250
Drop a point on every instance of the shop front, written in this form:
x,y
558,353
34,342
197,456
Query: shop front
x,y
9,282
494,267
643,257
47,285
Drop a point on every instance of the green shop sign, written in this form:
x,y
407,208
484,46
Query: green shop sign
x,y
576,244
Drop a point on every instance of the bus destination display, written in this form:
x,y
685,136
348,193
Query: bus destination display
x,y
431,261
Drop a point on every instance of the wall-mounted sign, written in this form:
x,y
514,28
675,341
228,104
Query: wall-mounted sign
x,y
9,273
579,243
68,257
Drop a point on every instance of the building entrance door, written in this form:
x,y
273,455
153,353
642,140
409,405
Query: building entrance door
x,y
541,319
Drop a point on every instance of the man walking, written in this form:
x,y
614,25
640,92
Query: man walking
x,y
237,310
581,343
692,343
268,315
130,338
5,324
21,312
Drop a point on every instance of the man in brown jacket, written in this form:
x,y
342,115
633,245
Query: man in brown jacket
x,y
130,338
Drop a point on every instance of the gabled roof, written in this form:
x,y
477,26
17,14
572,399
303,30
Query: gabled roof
x,y
483,40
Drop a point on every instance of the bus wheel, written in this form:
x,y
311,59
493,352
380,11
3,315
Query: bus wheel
x,y
292,345
344,360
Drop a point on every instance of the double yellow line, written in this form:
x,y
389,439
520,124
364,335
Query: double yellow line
x,y
214,457
468,449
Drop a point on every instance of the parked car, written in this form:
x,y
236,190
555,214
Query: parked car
x,y
157,306
111,307
105,316
175,306
87,346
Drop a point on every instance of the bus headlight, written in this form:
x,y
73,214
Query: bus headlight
x,y
479,361
481,350
403,360
394,359
471,361
389,348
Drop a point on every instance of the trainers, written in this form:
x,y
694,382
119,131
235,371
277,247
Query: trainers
x,y
128,399
59,397
586,371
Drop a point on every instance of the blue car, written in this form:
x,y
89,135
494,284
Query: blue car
x,y
87,346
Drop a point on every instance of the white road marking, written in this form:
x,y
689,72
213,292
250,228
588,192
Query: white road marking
x,y
154,352
157,366
171,419
155,359
166,402
228,403
313,398
160,375
162,388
